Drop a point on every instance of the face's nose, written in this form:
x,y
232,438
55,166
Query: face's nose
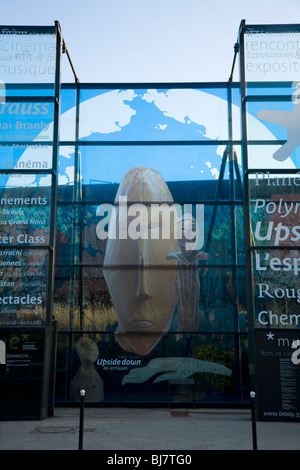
x,y
142,291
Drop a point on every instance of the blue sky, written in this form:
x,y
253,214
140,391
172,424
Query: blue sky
x,y
149,40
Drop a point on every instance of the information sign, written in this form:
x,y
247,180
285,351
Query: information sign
x,y
278,374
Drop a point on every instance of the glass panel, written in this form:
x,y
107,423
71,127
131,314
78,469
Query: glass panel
x,y
275,206
109,164
96,284
26,157
93,248
221,351
189,192
240,284
67,115
65,227
66,308
150,114
270,89
110,376
23,287
274,219
24,211
26,89
27,54
240,235
269,157
26,121
236,113
67,182
219,239
24,230
193,300
276,284
22,381
62,367
157,225
244,367
98,309
219,307
272,54
268,120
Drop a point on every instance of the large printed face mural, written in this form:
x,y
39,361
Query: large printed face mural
x,y
140,278
147,274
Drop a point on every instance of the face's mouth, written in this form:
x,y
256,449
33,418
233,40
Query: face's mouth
x,y
140,325
143,317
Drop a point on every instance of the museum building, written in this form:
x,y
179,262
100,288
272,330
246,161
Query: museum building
x,y
149,237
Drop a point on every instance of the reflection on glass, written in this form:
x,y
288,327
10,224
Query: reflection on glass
x,y
276,288
271,57
209,360
188,283
66,305
23,287
23,121
93,248
24,211
68,115
157,115
262,123
190,163
99,313
33,156
28,54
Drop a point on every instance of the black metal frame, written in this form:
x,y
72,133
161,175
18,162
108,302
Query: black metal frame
x,y
249,246
229,156
48,327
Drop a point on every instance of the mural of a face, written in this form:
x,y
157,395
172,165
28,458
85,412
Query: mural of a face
x,y
140,278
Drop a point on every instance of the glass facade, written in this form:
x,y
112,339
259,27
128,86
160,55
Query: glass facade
x,y
154,146
29,109
269,91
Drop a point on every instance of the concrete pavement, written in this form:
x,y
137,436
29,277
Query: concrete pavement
x,y
157,429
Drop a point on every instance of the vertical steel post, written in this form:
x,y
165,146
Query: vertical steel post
x,y
233,221
254,437
81,420
247,214
48,376
52,368
54,170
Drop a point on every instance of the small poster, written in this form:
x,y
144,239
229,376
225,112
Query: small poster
x,y
278,374
21,377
